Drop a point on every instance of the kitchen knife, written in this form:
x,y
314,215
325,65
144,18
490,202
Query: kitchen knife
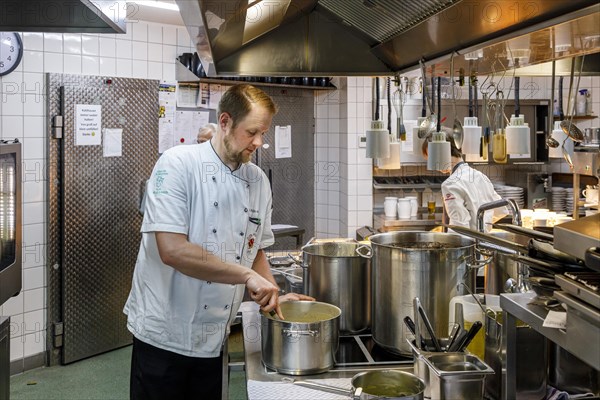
x,y
470,335
411,327
453,335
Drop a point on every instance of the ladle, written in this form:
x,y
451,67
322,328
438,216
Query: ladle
x,y
429,124
572,131
550,141
457,128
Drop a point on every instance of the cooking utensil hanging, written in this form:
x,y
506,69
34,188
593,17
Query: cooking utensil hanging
x,y
571,130
428,124
550,141
457,128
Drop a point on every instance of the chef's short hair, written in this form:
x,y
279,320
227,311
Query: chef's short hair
x,y
454,151
237,101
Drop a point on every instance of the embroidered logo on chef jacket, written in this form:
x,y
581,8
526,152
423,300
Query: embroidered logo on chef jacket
x,y
449,196
251,238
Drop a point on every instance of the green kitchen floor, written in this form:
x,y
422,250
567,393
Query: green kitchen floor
x,y
103,377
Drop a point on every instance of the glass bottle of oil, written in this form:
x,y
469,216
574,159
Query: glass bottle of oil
x,y
499,147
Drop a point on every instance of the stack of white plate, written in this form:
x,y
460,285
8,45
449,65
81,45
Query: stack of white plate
x,y
559,197
569,201
511,192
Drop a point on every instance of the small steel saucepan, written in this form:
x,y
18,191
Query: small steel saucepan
x,y
370,385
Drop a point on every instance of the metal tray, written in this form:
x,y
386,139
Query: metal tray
x,y
578,290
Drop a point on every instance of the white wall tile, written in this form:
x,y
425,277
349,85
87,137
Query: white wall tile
x,y
34,278
107,47
16,347
140,51
90,45
140,32
34,105
34,171
154,33
12,103
33,41
14,305
33,61
169,35
72,43
169,53
34,213
33,148
34,344
33,83
72,64
33,126
124,68
34,300
139,69
128,35
155,52
12,127
53,42
154,70
108,66
168,72
90,65
34,255
33,191
33,321
33,233
124,49
53,62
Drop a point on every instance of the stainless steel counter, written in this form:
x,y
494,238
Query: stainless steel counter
x,y
516,306
257,372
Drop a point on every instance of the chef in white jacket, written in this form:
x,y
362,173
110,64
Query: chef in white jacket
x,y
465,190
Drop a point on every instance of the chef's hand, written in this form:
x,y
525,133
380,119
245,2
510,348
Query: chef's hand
x,y
264,293
295,297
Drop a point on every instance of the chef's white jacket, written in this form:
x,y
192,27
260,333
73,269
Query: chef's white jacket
x,y
192,192
465,190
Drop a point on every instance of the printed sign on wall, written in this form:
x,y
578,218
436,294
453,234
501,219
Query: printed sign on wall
x,y
88,124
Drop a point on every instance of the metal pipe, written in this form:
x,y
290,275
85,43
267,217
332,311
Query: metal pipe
x,y
510,203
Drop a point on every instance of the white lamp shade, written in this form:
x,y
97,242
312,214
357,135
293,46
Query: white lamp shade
x,y
518,140
438,156
393,161
378,141
472,136
559,135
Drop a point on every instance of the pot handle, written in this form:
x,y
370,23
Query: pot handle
x,y
295,334
308,243
325,388
488,256
369,251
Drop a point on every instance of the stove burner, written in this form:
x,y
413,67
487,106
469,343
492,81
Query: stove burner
x,y
358,350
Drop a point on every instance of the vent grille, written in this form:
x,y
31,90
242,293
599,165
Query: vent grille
x,y
384,19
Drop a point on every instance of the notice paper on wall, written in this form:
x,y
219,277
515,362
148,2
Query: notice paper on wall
x,y
188,94
283,141
88,124
187,125
166,114
112,144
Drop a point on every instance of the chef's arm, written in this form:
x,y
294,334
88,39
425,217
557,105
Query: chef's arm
x,y
456,210
193,260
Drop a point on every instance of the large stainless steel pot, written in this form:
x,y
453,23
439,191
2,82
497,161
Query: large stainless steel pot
x,y
406,265
503,272
305,342
336,274
371,385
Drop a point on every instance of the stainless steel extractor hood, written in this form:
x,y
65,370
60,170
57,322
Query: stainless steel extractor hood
x,y
72,16
357,38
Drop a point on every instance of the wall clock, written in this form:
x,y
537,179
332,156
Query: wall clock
x,y
11,52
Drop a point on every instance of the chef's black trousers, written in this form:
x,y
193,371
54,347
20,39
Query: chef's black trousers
x,y
160,374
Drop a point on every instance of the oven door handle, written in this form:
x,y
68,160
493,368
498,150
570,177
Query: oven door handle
x,y
592,258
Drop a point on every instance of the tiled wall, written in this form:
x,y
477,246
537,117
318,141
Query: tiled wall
x,y
147,51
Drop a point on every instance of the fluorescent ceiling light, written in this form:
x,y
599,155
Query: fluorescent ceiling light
x,y
156,4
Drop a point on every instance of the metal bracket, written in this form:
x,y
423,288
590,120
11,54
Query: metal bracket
x,y
58,329
57,127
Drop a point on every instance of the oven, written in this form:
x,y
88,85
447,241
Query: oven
x,y
10,220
